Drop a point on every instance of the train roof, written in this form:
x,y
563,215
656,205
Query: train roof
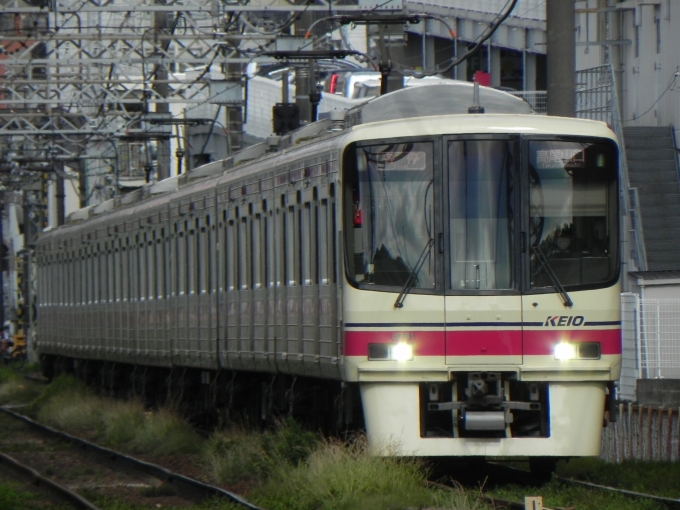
x,y
436,99
427,108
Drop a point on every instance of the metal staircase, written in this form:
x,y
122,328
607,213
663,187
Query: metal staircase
x,y
652,170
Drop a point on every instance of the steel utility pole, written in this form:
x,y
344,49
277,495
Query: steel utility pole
x,y
561,57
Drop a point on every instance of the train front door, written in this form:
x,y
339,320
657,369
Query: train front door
x,y
483,306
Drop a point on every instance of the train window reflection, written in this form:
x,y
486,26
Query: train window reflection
x,y
393,213
572,212
481,214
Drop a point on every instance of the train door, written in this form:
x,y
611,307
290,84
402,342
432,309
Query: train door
x,y
482,302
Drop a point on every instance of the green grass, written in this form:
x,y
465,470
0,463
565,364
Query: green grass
x,y
557,495
233,455
14,389
658,478
164,433
112,503
12,497
290,468
347,476
68,405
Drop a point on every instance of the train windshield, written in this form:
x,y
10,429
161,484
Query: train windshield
x,y
392,214
481,213
572,213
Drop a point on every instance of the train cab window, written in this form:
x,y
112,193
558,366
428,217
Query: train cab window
x,y
572,213
480,214
390,198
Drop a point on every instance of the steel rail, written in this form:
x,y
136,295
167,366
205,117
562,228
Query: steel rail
x,y
672,503
180,482
669,502
44,484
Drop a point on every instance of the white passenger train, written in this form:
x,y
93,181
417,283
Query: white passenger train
x,y
459,271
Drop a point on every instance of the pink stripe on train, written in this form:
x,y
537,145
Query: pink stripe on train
x,y
506,342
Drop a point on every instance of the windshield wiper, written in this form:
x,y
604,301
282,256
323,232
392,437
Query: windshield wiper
x,y
546,265
414,275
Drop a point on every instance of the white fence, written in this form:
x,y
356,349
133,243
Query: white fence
x,y
642,433
537,99
651,341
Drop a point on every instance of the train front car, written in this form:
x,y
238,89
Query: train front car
x,y
481,310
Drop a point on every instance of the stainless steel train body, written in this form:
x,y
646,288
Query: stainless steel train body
x,y
461,269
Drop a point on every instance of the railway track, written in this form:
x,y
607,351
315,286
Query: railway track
x,y
490,475
67,465
47,489
668,502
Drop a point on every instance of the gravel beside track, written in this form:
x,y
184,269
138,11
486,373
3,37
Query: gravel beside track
x,y
34,482
84,466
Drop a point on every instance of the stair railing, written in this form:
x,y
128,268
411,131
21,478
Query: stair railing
x,y
597,99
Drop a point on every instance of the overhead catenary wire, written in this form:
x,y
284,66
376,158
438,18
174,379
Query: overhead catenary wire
x,y
671,86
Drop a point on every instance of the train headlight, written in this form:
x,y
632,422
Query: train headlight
x,y
580,350
565,350
402,352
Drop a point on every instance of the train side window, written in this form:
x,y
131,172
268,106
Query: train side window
x,y
87,277
256,242
107,284
202,264
323,228
115,275
63,278
333,234
230,259
133,256
190,265
125,273
270,250
101,273
81,289
89,280
95,275
76,278
280,236
158,265
69,279
195,268
58,279
305,229
142,268
81,261
244,258
181,258
149,252
290,239
207,258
